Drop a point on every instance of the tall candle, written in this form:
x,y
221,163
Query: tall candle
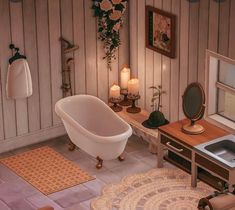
x,y
125,77
114,91
133,87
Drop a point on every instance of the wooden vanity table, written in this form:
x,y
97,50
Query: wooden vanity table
x,y
181,152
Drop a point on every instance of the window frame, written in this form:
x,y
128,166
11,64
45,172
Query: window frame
x,y
212,79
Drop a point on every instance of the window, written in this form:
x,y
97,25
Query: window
x,y
221,89
226,90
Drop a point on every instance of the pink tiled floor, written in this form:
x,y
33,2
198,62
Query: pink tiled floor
x,y
16,194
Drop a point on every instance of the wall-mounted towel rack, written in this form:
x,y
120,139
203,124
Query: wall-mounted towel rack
x,y
17,54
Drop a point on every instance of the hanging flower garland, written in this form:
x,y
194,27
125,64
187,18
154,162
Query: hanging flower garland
x,y
110,19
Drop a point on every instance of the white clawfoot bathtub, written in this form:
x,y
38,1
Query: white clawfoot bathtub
x,y
93,126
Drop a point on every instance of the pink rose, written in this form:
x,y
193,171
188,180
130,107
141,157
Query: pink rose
x,y
115,15
106,5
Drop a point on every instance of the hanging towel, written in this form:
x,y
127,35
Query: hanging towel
x,y
19,81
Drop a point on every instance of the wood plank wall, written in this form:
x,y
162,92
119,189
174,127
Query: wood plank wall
x,y
35,27
201,25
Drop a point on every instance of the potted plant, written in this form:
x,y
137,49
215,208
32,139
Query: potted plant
x,y
156,117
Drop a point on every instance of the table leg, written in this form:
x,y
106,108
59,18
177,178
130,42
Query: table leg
x,y
160,152
193,171
231,181
152,148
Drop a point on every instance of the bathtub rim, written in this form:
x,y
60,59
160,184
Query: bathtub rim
x,y
66,118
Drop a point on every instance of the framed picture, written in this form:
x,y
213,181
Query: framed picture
x,y
160,31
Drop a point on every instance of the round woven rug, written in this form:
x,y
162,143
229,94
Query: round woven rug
x,y
158,189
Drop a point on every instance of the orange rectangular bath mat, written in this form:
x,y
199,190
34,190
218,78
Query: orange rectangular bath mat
x,y
46,170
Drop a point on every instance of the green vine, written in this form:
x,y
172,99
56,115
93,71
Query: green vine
x,y
110,19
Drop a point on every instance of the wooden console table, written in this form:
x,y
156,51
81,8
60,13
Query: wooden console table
x,y
135,120
181,152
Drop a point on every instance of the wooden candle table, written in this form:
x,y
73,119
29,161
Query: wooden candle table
x,y
135,120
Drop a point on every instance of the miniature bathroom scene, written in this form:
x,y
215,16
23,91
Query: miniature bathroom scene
x,y
117,105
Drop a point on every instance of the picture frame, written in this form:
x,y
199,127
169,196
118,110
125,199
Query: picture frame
x,y
160,31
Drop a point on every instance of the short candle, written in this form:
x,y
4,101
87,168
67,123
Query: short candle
x,y
125,77
114,91
133,87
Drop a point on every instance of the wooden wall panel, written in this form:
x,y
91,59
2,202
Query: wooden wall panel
x,y
166,73
91,50
157,73
44,73
193,41
133,7
184,50
149,65
79,39
30,44
200,25
114,72
8,106
124,49
174,88
55,52
17,36
66,16
141,51
1,113
231,52
213,26
224,27
103,74
149,78
202,39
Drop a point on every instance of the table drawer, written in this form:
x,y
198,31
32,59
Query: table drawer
x,y
177,148
207,164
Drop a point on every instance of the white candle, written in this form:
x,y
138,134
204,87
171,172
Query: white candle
x,y
114,91
125,77
133,87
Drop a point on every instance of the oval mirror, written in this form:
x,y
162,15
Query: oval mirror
x,y
193,107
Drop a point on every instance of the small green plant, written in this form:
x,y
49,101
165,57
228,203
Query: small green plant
x,y
156,99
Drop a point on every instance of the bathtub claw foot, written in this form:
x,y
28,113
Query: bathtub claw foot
x,y
121,158
100,163
72,146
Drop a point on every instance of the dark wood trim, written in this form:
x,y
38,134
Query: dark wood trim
x,y
212,166
148,9
185,165
185,152
177,139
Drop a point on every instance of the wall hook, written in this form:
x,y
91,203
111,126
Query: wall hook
x,y
17,55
